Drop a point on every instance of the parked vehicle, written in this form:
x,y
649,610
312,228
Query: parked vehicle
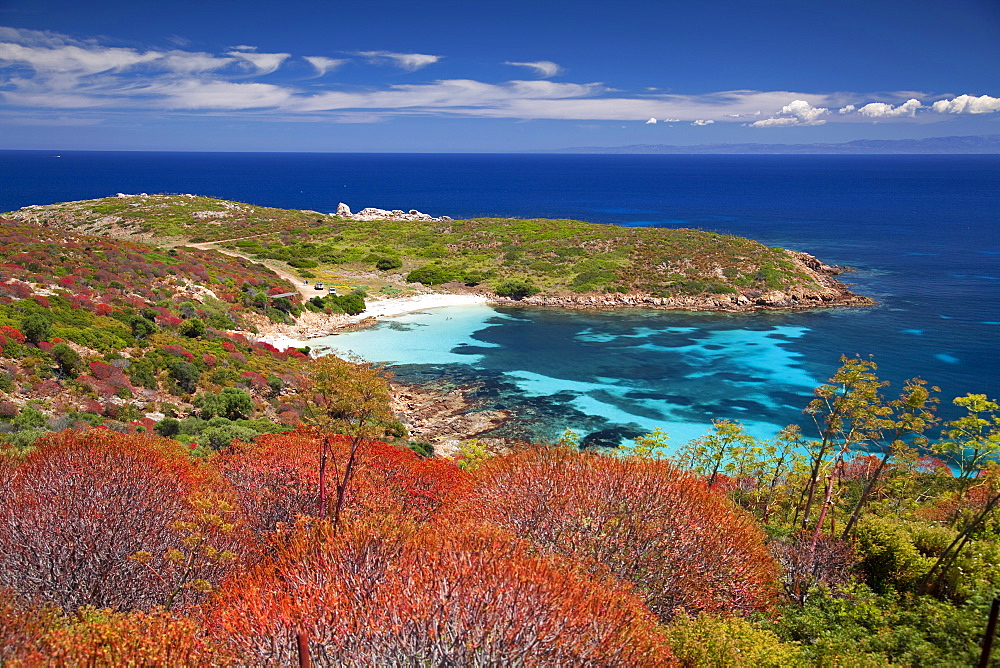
x,y
319,286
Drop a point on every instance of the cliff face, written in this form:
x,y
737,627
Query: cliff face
x,y
828,292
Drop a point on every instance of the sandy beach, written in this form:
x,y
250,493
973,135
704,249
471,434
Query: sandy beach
x,y
312,325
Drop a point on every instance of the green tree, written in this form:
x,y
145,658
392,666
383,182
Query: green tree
x,y
349,398
231,403
141,327
973,439
847,411
193,328
36,327
68,360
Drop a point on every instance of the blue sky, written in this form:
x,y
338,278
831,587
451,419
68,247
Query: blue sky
x,y
387,75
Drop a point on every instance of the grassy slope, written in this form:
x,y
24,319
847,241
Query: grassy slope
x,y
558,256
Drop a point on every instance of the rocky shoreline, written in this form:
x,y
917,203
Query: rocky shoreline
x,y
829,293
447,418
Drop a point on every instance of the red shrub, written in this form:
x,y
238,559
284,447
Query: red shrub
x,y
177,351
685,545
41,300
45,346
77,510
103,371
13,334
276,478
254,379
209,360
442,597
103,309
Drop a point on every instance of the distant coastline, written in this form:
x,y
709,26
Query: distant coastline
x,y
968,145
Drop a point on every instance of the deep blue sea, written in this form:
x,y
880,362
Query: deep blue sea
x,y
922,232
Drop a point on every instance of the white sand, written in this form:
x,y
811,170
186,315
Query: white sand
x,y
386,308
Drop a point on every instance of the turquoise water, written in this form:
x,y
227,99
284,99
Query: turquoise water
x,y
610,376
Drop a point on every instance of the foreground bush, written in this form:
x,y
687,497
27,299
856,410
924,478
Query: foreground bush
x,y
685,546
371,593
101,519
277,478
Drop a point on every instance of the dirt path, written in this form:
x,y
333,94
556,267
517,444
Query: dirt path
x,y
307,291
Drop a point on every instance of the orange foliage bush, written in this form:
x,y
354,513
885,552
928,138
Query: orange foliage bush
x,y
684,545
76,512
382,593
23,629
104,638
276,478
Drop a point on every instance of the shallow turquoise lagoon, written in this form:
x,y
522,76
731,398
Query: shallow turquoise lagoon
x,y
610,376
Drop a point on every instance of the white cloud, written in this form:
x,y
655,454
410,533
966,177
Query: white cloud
x,y
542,68
44,70
966,104
70,59
883,110
323,64
458,96
407,61
265,63
218,95
805,112
774,122
796,112
187,62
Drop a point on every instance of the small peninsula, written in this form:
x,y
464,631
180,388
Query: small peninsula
x,y
537,262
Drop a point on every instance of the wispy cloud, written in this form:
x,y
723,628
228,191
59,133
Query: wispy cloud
x,y
542,68
406,61
264,63
324,64
46,71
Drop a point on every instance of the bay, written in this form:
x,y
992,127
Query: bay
x,y
920,231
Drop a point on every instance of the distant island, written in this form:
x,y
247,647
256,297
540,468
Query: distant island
x,y
982,144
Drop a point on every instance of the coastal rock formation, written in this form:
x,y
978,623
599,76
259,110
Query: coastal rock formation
x,y
371,213
446,417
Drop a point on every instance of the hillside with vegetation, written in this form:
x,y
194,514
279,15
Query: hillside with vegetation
x,y
512,258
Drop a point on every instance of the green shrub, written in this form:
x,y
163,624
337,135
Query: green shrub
x,y
388,263
515,289
36,327
432,275
720,642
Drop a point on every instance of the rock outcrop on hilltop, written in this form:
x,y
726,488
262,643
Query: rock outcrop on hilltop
x,y
371,213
